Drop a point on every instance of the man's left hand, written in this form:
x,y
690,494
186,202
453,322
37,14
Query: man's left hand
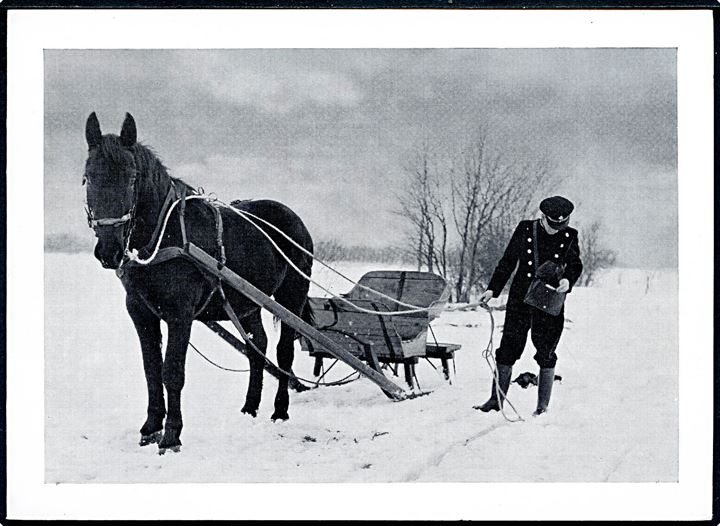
x,y
564,285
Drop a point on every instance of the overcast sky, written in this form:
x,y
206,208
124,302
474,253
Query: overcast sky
x,y
330,132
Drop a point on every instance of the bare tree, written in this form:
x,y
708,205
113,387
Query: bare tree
x,y
490,194
595,256
461,216
422,204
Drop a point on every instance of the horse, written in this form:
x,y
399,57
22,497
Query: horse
x,y
128,192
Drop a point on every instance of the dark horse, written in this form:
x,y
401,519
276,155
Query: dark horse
x,y
127,190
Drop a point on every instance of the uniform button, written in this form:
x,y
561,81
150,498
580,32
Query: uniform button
x,y
529,251
529,275
557,256
561,245
567,235
529,239
529,262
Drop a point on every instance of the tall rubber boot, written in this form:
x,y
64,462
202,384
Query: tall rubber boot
x,y
504,372
545,383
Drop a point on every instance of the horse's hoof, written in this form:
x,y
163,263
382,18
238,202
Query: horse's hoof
x,y
171,439
152,438
163,450
248,411
280,416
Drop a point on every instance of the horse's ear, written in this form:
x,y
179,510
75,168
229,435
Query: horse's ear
x,y
128,135
93,135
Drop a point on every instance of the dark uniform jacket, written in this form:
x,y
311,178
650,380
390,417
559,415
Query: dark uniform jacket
x,y
561,247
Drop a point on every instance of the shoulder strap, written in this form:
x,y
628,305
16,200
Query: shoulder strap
x,y
182,217
219,235
169,199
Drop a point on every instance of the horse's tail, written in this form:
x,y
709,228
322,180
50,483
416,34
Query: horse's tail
x,y
308,316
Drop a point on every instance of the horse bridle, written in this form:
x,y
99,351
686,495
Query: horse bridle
x,y
118,221
108,221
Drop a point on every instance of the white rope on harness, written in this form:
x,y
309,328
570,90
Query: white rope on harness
x,y
414,308
133,256
244,215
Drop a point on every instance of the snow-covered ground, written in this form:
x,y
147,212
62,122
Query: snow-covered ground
x,y
613,418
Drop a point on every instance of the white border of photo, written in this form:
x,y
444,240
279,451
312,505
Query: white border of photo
x,y
30,32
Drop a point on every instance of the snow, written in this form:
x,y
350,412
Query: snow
x,y
613,418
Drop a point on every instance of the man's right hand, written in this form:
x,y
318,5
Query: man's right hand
x,y
486,296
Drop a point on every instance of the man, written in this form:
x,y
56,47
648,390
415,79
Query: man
x,y
557,242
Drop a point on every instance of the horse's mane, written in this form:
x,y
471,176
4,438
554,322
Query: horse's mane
x,y
148,164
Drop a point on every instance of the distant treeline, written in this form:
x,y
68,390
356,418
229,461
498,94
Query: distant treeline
x,y
68,243
327,250
332,250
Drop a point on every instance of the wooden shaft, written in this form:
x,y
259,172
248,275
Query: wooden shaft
x,y
210,264
240,346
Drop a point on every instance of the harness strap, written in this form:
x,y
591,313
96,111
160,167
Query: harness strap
x,y
219,237
220,264
234,319
149,305
207,301
220,258
169,199
182,217
164,254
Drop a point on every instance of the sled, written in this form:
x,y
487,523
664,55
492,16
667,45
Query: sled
x,y
377,339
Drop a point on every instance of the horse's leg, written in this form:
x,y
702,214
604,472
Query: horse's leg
x,y
285,356
253,326
292,295
148,329
173,375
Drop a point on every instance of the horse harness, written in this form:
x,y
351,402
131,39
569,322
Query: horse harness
x,y
164,254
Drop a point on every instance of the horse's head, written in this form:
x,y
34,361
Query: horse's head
x,y
110,178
